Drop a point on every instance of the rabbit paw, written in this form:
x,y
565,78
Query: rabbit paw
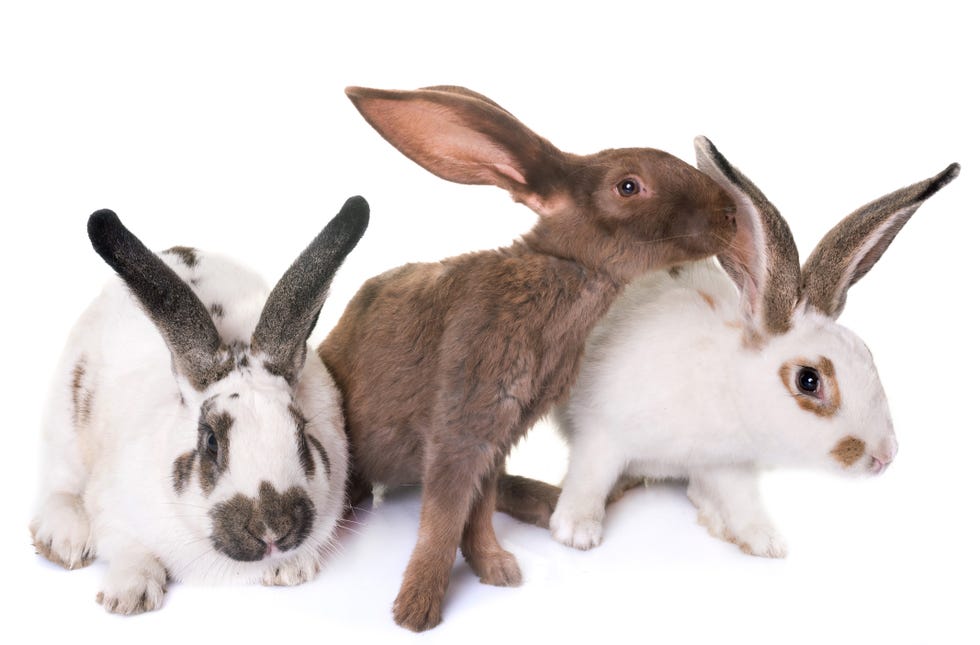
x,y
581,533
291,572
61,532
134,588
499,569
761,540
756,539
418,606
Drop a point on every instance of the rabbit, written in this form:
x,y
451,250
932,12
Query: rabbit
x,y
798,388
187,436
443,366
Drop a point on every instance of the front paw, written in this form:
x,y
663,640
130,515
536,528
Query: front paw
x,y
761,540
61,533
291,572
134,590
499,568
579,532
418,607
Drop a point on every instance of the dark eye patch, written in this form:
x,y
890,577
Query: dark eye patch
x,y
213,430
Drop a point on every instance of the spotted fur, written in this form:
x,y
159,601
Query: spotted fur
x,y
198,412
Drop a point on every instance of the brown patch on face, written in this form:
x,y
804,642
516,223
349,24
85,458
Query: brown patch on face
x,y
826,401
183,467
81,396
848,450
245,528
708,299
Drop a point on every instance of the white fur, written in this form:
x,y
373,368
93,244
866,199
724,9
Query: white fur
x,y
107,485
669,389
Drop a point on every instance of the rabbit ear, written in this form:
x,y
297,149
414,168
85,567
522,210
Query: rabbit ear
x,y
169,302
294,305
464,137
762,259
852,247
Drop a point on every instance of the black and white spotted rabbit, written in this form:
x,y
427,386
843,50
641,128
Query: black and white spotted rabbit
x,y
187,436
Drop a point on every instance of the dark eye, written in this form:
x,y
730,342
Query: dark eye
x,y
628,187
211,442
808,380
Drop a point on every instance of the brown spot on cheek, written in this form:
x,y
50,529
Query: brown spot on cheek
x,y
708,299
848,450
828,402
183,467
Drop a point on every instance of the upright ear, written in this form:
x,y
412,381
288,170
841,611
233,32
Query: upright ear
x,y
464,137
294,305
762,259
852,247
168,301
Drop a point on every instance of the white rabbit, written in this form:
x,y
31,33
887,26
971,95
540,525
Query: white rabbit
x,y
798,388
187,436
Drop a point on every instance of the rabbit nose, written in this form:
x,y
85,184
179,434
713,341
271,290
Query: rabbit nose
x,y
729,212
288,517
884,455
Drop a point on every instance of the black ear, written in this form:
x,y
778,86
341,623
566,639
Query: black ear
x,y
174,308
849,250
294,305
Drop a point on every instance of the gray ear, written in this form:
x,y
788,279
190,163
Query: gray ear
x,y
174,308
762,259
294,305
851,248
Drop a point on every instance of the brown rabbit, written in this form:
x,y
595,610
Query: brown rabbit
x,y
445,365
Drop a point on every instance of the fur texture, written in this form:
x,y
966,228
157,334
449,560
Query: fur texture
x,y
444,366
171,449
706,374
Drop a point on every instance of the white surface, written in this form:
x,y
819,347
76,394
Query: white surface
x,y
225,127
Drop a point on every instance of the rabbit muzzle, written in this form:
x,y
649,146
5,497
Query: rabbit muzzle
x,y
249,529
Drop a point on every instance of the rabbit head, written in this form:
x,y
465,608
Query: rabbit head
x,y
626,211
257,468
815,379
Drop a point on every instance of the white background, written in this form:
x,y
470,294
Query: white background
x,y
225,127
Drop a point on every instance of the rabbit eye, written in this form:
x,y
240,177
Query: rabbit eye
x,y
808,380
628,187
210,441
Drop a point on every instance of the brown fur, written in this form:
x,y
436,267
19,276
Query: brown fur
x,y
830,403
81,396
444,366
848,450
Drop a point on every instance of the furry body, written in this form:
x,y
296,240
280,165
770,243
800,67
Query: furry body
x,y
186,436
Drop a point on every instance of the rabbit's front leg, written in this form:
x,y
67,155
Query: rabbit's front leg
x,y
135,582
297,570
593,470
61,532
730,507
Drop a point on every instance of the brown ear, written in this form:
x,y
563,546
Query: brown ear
x,y
464,137
762,259
851,248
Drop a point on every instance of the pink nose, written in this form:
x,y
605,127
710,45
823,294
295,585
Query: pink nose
x,y
885,456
